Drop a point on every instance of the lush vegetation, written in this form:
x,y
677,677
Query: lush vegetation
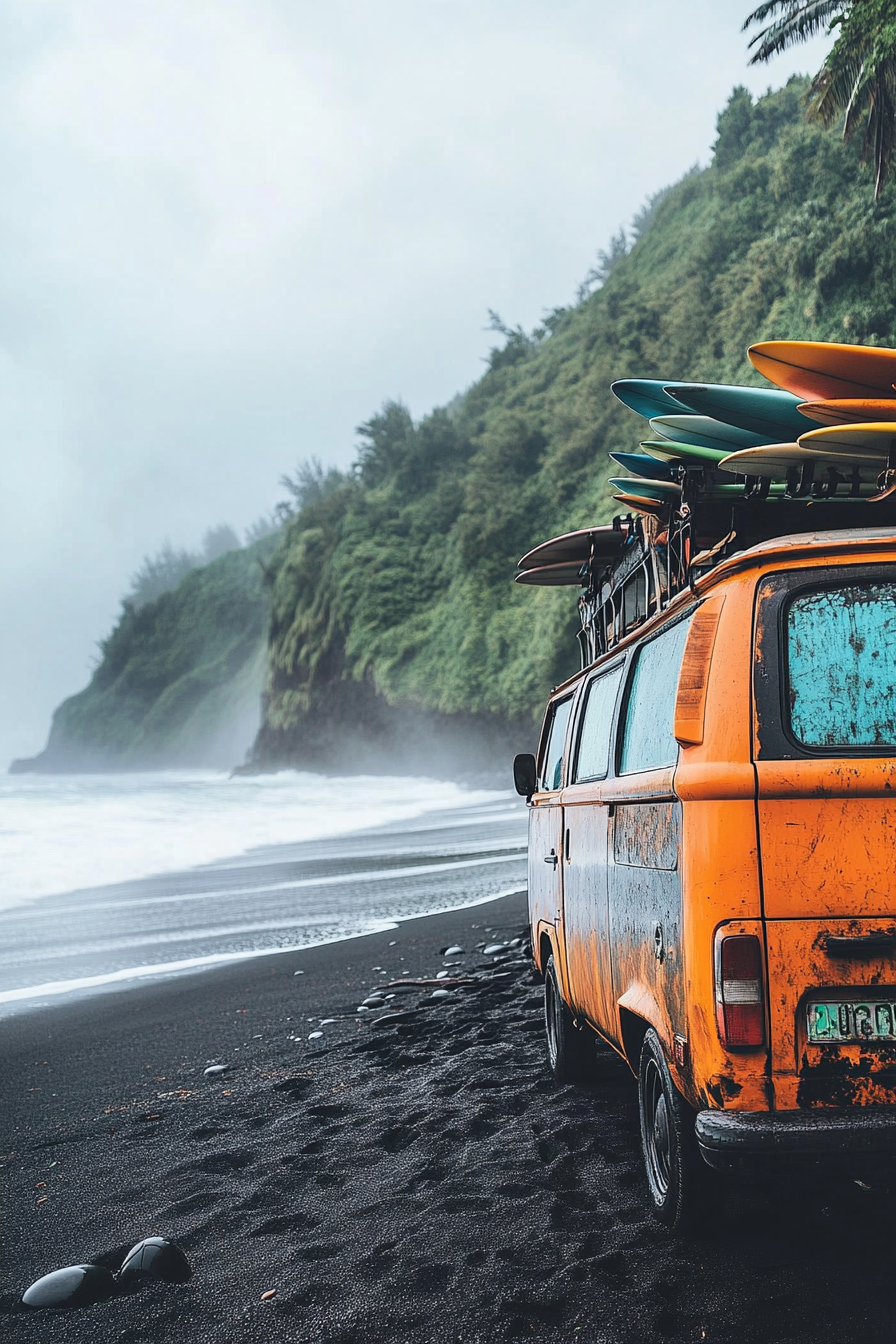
x,y
856,86
179,679
392,606
401,573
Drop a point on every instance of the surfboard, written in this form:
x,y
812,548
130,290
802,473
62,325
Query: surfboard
x,y
687,453
776,459
659,490
576,547
704,432
642,464
821,370
640,504
760,410
874,442
647,396
850,411
552,576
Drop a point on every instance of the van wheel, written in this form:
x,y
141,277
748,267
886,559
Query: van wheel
x,y
676,1174
570,1048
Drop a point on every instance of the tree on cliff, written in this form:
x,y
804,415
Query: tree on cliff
x,y
858,79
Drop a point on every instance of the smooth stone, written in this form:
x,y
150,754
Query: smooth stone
x,y
372,1001
443,975
74,1286
298,972
494,948
362,1009
156,1258
327,1021
387,1019
315,1035
214,1070
453,952
441,994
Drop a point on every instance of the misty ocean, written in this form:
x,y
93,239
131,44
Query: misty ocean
x,y
109,879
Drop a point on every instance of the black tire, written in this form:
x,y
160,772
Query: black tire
x,y
570,1048
677,1176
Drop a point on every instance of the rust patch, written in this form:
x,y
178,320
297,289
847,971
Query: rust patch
x,y
647,835
836,1079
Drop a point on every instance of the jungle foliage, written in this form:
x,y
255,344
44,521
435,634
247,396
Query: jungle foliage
x,y
402,571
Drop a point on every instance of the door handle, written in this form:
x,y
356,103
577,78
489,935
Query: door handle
x,y
551,859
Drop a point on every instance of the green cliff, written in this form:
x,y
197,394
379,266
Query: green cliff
x,y
394,621
179,680
397,638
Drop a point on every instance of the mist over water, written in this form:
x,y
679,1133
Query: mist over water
x,y
62,833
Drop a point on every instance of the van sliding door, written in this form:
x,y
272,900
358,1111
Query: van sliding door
x,y
585,819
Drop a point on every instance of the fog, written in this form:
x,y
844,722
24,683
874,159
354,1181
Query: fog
x,y
230,230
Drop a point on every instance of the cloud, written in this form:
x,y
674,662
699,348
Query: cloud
x,y
235,228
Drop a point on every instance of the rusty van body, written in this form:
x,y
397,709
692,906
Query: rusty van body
x,y
712,861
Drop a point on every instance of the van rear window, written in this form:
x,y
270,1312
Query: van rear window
x,y
841,666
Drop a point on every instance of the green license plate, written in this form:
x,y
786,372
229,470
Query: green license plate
x,y
852,1020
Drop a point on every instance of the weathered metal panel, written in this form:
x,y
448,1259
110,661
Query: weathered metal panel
x,y
585,916
645,906
801,971
545,823
647,835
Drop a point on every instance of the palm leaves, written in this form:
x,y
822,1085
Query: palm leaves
x,y
858,79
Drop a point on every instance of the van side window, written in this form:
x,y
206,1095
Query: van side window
x,y
552,761
648,742
593,759
841,666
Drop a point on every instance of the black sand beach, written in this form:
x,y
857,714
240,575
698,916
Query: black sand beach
x,y
417,1179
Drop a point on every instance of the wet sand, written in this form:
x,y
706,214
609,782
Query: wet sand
x,y
418,1180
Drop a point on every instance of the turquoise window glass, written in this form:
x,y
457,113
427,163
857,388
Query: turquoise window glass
x,y
841,665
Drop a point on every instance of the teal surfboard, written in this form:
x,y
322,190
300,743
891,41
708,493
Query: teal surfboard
x,y
704,432
642,464
759,410
647,396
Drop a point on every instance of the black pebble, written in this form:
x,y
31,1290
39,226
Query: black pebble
x,y
74,1286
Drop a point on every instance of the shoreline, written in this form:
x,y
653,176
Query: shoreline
x,y
66,993
411,1175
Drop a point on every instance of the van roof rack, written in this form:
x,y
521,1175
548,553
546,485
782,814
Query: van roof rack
x,y
725,467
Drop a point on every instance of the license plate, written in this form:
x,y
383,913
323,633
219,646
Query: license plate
x,y
853,1020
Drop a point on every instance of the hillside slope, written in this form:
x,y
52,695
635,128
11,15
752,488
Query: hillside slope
x,y
394,620
397,637
180,678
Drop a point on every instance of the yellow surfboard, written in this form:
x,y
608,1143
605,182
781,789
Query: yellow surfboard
x,y
873,442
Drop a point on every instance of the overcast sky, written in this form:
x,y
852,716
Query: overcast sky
x,y
229,229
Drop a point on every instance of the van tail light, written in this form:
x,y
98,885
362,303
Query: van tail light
x,y
740,1011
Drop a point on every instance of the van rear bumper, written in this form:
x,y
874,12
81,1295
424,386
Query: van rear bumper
x,y
730,1140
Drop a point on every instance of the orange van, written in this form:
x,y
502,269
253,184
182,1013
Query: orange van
x,y
712,858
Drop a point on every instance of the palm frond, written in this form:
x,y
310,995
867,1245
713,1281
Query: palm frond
x,y
794,21
879,143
